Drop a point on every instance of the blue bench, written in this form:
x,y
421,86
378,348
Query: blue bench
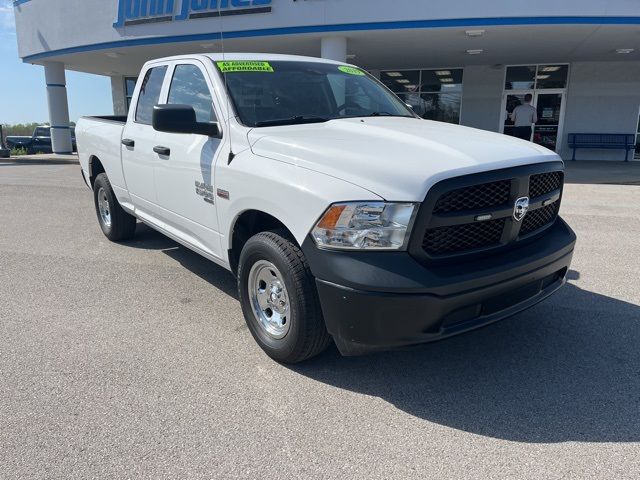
x,y
617,141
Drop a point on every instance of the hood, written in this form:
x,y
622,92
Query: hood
x,y
395,158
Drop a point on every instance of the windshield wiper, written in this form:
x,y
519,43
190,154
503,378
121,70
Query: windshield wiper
x,y
377,114
296,120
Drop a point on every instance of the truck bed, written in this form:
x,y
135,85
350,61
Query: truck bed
x,y
108,118
99,138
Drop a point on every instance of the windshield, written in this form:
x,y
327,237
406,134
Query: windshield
x,y
285,93
42,132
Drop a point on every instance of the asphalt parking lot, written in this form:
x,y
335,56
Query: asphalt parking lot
x,y
133,360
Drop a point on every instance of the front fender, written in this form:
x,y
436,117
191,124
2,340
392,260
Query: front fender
x,y
296,196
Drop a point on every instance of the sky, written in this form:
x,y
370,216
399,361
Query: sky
x,y
23,94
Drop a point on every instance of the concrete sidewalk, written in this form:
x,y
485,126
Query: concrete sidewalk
x,y
603,172
43,159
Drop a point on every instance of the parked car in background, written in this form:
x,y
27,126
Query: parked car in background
x,y
38,142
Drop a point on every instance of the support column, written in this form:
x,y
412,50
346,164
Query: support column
x,y
58,107
334,48
118,95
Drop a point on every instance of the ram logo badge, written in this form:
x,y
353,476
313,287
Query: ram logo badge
x,y
521,208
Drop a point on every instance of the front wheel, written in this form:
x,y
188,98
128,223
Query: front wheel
x,y
116,224
279,299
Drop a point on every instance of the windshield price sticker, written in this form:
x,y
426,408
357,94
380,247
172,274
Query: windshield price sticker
x,y
244,66
351,70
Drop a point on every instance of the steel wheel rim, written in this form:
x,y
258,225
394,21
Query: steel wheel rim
x,y
103,207
269,299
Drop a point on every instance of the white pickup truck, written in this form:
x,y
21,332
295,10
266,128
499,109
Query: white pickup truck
x,y
344,215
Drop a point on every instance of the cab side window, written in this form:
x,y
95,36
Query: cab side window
x,y
149,95
189,87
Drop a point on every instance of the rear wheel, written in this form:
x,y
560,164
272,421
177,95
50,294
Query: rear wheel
x,y
279,299
116,224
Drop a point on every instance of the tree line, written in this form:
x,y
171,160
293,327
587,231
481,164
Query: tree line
x,y
22,129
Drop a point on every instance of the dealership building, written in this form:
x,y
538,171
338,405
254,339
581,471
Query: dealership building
x,y
465,62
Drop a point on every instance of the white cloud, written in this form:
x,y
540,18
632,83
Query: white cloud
x,y
7,20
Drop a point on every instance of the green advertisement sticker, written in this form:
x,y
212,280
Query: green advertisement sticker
x,y
350,70
244,66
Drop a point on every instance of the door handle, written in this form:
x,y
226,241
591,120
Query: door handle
x,y
127,142
162,150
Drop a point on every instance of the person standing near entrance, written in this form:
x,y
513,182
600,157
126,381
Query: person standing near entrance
x,y
523,116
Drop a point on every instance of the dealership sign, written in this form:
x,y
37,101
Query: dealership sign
x,y
137,12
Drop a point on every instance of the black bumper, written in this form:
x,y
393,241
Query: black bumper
x,y
379,300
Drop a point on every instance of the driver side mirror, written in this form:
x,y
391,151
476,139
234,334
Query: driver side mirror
x,y
181,119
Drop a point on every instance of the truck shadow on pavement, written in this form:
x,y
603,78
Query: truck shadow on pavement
x,y
148,239
565,370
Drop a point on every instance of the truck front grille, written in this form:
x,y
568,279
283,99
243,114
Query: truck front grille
x,y
475,196
544,183
539,218
475,213
457,238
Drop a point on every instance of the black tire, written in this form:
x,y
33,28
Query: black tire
x,y
307,335
122,225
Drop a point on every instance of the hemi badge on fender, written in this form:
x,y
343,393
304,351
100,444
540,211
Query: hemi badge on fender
x,y
483,218
223,194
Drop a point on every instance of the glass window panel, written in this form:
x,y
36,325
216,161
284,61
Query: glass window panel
x,y
443,107
416,102
149,94
520,78
552,76
547,136
189,87
401,81
446,80
130,85
548,107
513,101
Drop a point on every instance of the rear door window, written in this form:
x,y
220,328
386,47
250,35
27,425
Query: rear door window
x,y
149,95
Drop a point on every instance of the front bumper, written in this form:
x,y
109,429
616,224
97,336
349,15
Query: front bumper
x,y
382,300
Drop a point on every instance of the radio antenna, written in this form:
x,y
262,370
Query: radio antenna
x,y
224,76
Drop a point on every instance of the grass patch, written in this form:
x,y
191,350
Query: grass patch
x,y
18,152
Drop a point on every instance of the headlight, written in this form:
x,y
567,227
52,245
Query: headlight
x,y
365,226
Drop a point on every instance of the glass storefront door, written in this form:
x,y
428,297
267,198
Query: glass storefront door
x,y
549,107
547,85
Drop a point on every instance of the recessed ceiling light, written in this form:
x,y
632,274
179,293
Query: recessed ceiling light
x,y
476,51
624,51
448,85
443,73
542,77
403,80
446,80
393,74
550,69
474,33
